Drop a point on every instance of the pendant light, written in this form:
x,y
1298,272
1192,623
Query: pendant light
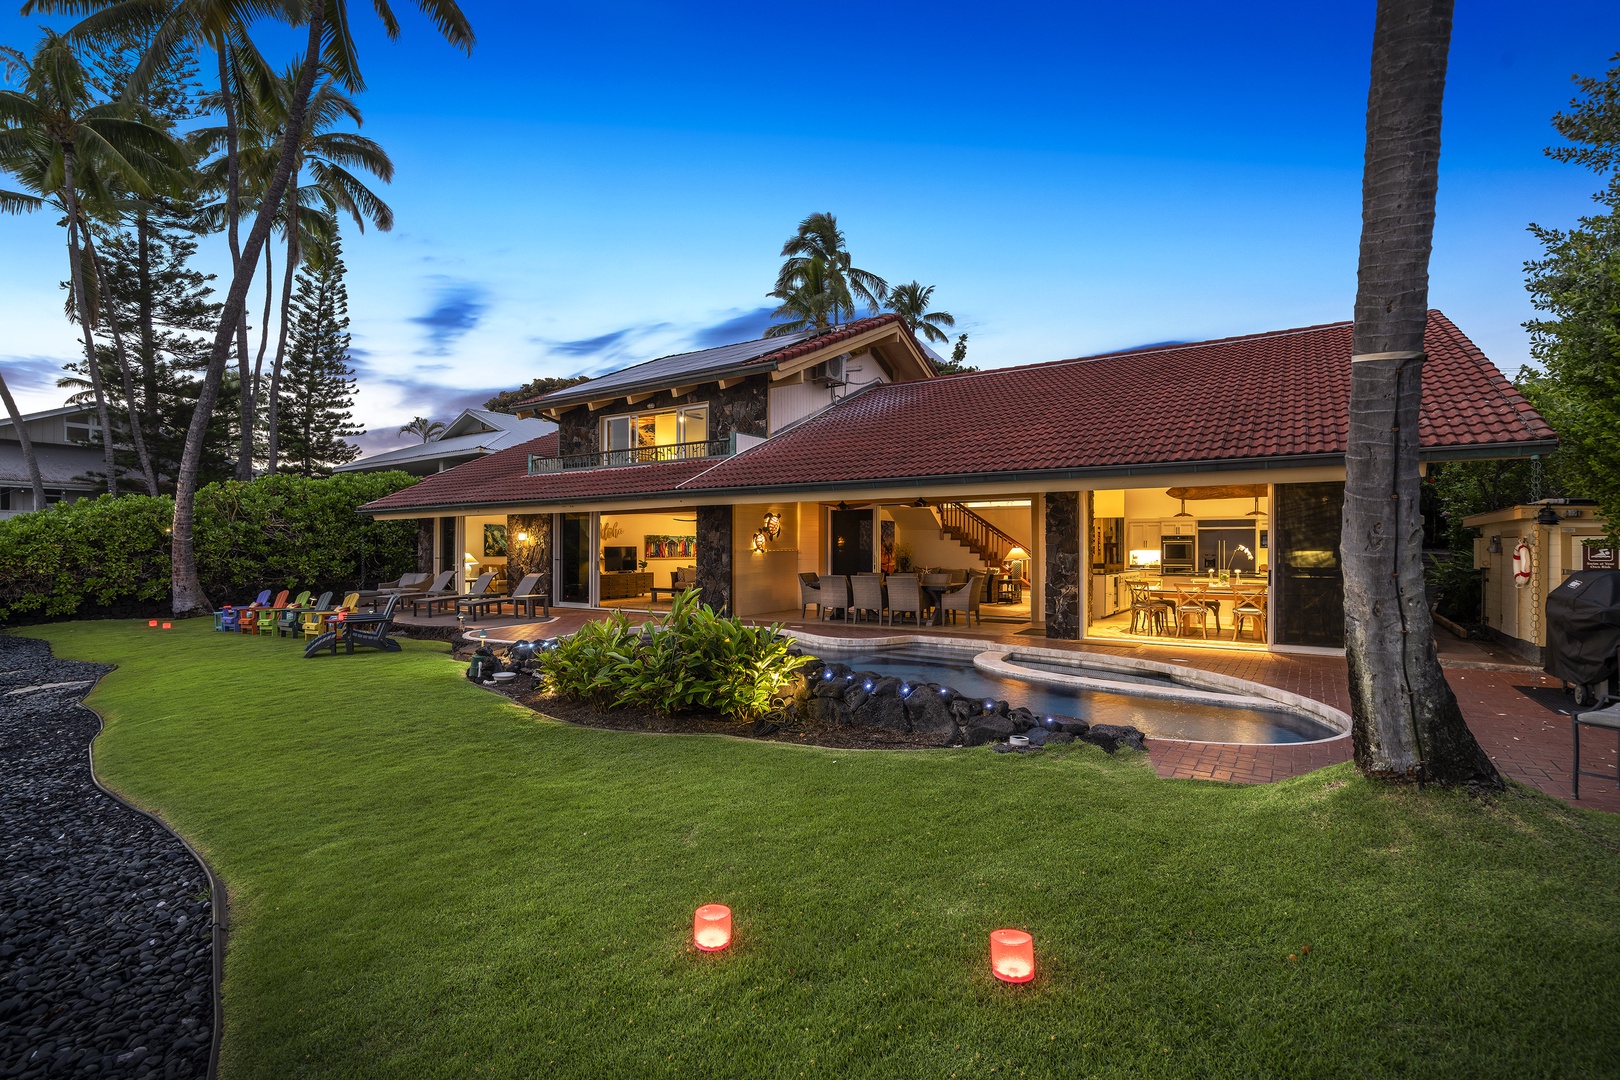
x,y
1256,512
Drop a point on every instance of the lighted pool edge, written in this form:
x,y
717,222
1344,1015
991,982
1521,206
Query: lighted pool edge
x,y
1193,686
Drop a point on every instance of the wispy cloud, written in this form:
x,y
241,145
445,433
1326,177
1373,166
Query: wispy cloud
x,y
743,326
30,373
457,309
612,350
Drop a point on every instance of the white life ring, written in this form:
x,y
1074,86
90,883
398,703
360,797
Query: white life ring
x,y
1523,557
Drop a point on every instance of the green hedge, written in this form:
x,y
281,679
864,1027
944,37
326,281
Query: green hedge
x,y
110,556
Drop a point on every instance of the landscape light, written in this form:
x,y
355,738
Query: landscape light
x,y
1012,956
711,927
168,626
151,622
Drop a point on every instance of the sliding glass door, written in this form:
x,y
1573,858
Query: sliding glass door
x,y
575,558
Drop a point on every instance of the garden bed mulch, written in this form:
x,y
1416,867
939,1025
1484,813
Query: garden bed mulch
x,y
804,733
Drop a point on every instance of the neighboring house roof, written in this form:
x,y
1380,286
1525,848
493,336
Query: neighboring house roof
x,y
46,414
1274,398
475,433
706,365
60,465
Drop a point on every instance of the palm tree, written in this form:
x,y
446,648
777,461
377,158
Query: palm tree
x,y
57,140
807,304
426,429
332,158
910,302
818,248
22,437
1406,725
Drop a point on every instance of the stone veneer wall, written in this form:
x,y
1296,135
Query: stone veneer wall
x,y
1064,571
532,556
424,545
714,556
744,408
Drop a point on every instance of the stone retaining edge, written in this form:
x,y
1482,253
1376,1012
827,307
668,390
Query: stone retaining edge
x,y
218,912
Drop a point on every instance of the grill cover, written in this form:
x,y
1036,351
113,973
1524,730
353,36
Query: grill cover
x,y
1583,627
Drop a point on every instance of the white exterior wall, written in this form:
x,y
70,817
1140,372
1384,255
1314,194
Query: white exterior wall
x,y
792,402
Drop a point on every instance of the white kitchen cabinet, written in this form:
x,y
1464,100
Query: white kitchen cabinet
x,y
1144,536
1184,527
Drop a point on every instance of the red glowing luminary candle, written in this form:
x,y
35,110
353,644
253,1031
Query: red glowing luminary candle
x,y
711,927
151,622
168,626
1012,956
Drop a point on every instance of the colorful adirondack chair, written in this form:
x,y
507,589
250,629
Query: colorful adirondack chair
x,y
287,620
317,621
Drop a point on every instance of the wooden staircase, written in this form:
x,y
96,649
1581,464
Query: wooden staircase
x,y
974,533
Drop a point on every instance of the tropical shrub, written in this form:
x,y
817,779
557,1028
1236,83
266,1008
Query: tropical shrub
x,y
692,659
110,556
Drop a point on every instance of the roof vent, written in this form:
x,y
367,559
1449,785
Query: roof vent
x,y
830,372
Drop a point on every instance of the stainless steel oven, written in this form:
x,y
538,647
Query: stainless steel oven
x,y
1176,554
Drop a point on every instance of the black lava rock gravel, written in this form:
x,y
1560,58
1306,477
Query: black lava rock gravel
x,y
106,940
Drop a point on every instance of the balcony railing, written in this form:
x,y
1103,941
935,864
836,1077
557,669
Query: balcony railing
x,y
641,455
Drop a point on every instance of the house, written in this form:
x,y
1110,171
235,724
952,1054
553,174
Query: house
x,y
67,447
1559,537
1091,487
474,434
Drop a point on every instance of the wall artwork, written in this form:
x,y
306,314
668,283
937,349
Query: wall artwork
x,y
495,541
669,547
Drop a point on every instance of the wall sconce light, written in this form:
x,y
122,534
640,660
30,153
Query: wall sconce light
x,y
759,542
772,527
711,927
1012,956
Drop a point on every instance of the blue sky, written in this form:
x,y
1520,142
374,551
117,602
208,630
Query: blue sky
x,y
601,184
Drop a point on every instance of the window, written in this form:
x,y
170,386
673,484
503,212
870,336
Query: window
x,y
5,498
659,436
83,430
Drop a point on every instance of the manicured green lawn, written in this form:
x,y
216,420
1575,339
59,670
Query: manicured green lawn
x,y
428,881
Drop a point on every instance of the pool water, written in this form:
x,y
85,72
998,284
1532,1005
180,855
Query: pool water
x,y
1154,717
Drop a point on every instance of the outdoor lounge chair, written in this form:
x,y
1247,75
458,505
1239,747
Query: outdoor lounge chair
x,y
447,597
407,583
441,588
229,617
292,616
318,619
525,596
370,631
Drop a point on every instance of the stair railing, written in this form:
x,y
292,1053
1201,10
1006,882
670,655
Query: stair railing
x,y
989,542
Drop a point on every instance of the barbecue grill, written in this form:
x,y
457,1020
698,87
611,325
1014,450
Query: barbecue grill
x,y
1583,633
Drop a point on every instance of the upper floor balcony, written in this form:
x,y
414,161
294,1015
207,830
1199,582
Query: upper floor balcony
x,y
722,447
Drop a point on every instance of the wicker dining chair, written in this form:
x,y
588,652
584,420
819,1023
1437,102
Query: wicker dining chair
x,y
866,596
905,597
834,594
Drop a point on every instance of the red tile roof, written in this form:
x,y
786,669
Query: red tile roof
x,y
1278,395
1283,394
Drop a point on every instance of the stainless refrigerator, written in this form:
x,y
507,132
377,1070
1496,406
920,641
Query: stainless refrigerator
x,y
1218,549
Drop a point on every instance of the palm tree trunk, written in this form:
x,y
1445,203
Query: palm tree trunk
x,y
233,195
186,590
81,306
136,436
29,459
273,406
264,330
1406,725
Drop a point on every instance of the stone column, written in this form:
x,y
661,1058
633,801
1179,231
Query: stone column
x,y
1064,569
424,545
714,556
531,556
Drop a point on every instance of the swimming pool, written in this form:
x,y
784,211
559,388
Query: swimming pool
x,y
1168,714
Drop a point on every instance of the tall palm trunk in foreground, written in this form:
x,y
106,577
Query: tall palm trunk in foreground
x,y
81,304
148,473
29,459
1407,726
186,590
